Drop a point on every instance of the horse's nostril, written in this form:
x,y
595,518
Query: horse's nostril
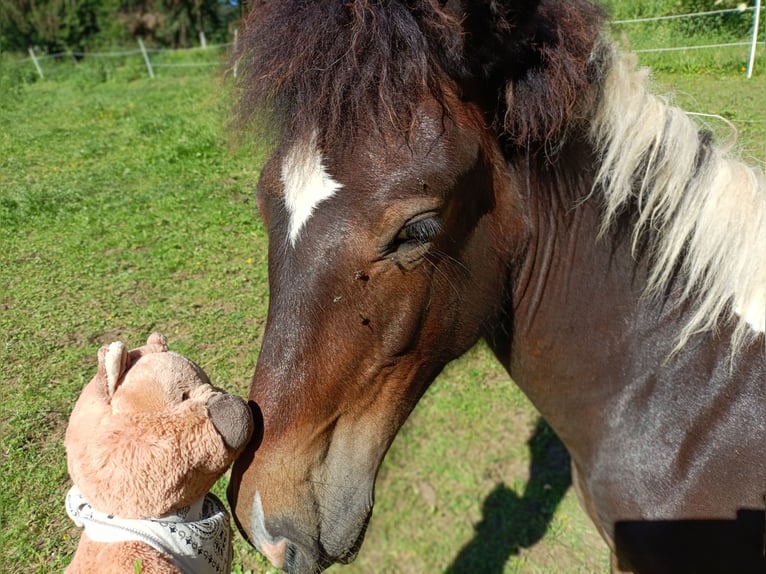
x,y
275,552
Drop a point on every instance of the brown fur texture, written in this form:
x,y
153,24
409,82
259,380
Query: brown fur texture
x,y
142,441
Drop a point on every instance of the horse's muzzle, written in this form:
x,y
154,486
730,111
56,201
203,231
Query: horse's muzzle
x,y
296,559
286,549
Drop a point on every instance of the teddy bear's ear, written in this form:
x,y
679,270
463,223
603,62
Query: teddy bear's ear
x,y
115,365
157,342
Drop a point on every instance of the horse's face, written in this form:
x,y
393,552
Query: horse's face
x,y
381,270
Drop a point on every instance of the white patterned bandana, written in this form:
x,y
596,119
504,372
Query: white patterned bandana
x,y
196,537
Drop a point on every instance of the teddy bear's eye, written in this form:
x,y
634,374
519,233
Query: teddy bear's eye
x,y
185,396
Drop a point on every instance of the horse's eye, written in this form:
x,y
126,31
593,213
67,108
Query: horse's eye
x,y
420,230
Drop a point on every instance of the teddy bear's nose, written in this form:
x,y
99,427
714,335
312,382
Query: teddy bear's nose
x,y
232,418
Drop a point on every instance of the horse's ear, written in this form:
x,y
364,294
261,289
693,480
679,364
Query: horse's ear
x,y
537,53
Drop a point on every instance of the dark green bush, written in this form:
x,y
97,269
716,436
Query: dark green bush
x,y
732,25
55,26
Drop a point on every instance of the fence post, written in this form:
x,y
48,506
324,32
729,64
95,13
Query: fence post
x,y
36,63
756,23
236,62
146,57
202,40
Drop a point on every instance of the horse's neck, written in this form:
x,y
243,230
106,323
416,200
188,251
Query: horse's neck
x,y
572,293
577,287
640,175
582,329
594,352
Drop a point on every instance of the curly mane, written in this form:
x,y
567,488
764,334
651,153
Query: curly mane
x,y
341,67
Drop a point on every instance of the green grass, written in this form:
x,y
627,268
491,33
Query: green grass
x,y
121,212
687,33
124,211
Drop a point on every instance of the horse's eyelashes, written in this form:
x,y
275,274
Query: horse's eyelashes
x,y
419,231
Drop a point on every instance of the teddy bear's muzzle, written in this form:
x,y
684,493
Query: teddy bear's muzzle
x,y
232,418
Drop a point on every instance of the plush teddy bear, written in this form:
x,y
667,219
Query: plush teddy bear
x,y
146,441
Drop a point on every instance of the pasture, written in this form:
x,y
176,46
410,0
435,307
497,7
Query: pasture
x,y
124,209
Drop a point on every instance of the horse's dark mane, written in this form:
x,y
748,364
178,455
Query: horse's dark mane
x,y
336,67
564,66
341,66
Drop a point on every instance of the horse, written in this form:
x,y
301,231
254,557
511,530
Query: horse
x,y
448,172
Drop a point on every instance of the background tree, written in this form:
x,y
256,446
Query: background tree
x,y
59,25
52,25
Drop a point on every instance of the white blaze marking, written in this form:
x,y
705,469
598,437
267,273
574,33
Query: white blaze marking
x,y
273,548
306,183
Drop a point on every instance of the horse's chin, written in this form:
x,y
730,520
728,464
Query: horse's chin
x,y
346,554
296,558
287,546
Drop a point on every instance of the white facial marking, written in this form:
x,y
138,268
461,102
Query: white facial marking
x,y
273,548
306,183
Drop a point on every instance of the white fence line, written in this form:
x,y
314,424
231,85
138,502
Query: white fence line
x,y
756,9
682,48
690,15
150,65
142,51
123,53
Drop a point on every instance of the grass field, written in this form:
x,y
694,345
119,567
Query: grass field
x,y
123,211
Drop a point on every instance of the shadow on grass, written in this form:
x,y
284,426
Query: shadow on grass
x,y
511,522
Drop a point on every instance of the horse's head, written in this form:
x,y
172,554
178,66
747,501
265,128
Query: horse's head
x,y
381,270
393,221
